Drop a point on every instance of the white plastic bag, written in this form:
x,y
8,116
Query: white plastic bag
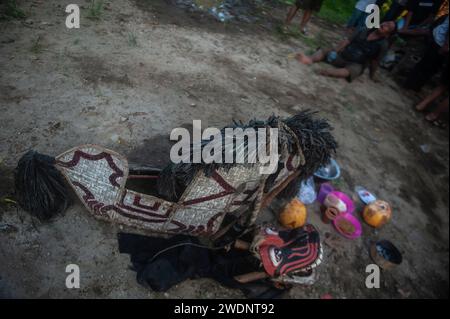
x,y
307,193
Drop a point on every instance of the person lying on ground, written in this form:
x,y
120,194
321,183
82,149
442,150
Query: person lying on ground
x,y
442,107
308,6
435,55
359,15
351,57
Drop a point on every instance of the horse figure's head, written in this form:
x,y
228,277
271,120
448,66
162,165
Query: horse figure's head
x,y
304,144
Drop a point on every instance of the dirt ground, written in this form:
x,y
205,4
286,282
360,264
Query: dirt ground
x,y
145,67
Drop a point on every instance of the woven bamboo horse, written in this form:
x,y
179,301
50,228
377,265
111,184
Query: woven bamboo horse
x,y
192,199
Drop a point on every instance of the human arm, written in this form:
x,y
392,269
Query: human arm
x,y
342,45
414,32
407,20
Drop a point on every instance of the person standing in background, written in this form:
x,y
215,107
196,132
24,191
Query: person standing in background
x,y
396,9
308,7
421,12
359,15
442,106
435,55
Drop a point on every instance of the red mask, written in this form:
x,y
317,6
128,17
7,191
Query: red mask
x,y
288,251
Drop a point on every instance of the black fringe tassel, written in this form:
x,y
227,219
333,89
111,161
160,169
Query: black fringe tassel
x,y
40,187
314,134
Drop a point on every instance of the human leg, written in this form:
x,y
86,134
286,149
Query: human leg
x,y
441,108
437,92
425,68
341,73
305,19
291,14
318,56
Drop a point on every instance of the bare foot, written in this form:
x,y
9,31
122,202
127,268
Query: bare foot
x,y
302,58
421,106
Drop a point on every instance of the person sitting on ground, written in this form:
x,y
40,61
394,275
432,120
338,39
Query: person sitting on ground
x,y
308,6
352,56
359,15
442,107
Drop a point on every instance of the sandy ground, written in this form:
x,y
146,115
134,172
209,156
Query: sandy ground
x,y
126,80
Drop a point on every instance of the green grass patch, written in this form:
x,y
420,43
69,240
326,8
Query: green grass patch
x,y
37,46
293,32
132,40
207,3
95,9
335,11
10,10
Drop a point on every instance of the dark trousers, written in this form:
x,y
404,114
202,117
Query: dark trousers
x,y
422,72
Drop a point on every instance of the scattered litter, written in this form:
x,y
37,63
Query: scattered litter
x,y
329,214
404,293
348,226
307,193
340,201
365,195
7,228
222,10
294,215
391,59
307,280
385,254
426,148
324,190
6,200
329,172
377,213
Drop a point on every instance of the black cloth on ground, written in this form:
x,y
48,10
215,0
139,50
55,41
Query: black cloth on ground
x,y
189,262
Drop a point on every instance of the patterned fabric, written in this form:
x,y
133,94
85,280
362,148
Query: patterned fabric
x,y
98,177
